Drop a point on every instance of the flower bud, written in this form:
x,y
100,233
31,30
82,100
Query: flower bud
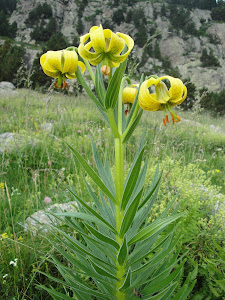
x,y
105,70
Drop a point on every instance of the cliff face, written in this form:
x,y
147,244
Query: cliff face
x,y
182,50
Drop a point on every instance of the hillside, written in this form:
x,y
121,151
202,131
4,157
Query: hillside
x,y
187,41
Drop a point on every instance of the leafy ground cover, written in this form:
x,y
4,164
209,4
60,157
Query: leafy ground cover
x,y
190,154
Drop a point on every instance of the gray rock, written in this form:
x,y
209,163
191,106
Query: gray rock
x,y
39,221
216,129
47,126
10,141
7,85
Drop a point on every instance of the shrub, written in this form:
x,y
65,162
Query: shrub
x,y
209,60
11,58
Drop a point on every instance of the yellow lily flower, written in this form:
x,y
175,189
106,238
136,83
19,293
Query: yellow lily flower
x,y
162,98
129,94
61,64
106,45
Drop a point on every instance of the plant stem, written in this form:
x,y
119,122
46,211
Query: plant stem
x,y
119,156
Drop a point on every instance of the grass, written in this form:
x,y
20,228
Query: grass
x,y
44,167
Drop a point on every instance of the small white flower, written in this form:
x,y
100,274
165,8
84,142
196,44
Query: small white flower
x,y
13,262
4,276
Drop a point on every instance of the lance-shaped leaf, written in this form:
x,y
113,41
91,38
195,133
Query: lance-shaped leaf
x,y
102,237
154,228
129,214
101,271
159,284
53,293
132,179
160,295
135,102
155,183
122,255
101,170
99,85
114,86
131,129
127,282
92,174
92,211
90,94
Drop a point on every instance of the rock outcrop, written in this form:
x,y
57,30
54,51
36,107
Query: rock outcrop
x,y
183,51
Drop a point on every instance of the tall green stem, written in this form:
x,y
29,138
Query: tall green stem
x,y
119,157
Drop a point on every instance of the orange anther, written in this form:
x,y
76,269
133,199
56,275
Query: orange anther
x,y
167,119
164,122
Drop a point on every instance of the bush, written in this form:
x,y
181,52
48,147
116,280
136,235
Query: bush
x,y
44,32
218,12
209,60
42,11
213,102
11,58
5,28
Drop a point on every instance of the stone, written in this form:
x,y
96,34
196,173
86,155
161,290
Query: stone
x,y
10,141
216,129
40,221
7,85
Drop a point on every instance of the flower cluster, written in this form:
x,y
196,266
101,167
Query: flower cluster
x,y
108,49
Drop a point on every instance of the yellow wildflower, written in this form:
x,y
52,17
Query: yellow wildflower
x,y
107,47
61,64
129,94
162,98
2,185
5,235
218,171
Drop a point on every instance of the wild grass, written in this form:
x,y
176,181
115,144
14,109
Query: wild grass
x,y
42,166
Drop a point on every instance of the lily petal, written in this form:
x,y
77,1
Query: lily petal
x,y
73,75
130,44
146,100
97,38
70,60
51,61
116,44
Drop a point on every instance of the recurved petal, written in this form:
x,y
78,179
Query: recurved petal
x,y
182,99
177,90
146,100
54,74
84,52
69,62
116,43
73,75
97,38
52,61
130,44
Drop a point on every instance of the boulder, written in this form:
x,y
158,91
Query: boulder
x,y
7,85
10,141
39,221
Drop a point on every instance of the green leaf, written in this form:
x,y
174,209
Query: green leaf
x,y
132,127
154,228
135,101
114,86
160,295
122,254
53,292
88,91
155,183
159,284
131,180
101,170
129,215
81,286
93,212
127,282
102,237
92,174
101,271
99,85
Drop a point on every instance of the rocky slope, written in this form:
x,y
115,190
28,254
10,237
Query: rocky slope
x,y
184,51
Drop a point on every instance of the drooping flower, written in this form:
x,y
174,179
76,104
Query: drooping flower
x,y
162,98
129,94
61,64
103,45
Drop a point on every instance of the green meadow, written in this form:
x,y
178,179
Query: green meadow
x,y
190,153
